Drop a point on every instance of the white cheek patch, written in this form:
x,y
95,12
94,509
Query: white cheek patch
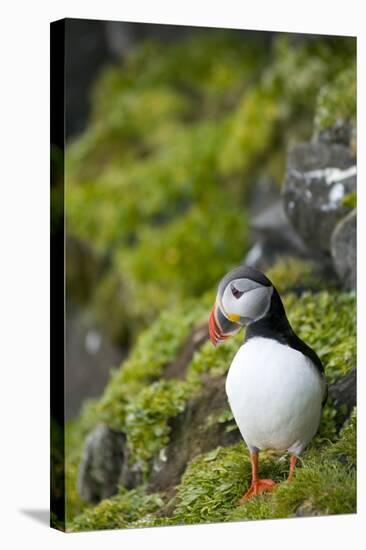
x,y
244,285
253,304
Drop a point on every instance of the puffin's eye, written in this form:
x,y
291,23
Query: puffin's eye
x,y
235,292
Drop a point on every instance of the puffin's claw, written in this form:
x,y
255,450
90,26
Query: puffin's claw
x,y
258,487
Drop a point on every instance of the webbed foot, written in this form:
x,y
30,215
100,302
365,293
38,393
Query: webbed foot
x,y
258,487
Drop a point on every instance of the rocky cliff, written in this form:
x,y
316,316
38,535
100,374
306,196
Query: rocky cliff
x,y
160,446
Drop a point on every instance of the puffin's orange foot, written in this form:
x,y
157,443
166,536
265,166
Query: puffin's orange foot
x,y
258,487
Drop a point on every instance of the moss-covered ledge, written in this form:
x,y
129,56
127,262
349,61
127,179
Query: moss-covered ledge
x,y
159,415
324,483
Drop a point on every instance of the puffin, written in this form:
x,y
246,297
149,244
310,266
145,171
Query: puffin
x,y
276,386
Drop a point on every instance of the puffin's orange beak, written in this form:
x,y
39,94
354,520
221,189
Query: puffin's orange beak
x,y
213,328
220,328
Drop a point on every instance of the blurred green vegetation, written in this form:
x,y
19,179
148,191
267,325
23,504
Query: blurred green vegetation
x,y
157,186
337,101
156,200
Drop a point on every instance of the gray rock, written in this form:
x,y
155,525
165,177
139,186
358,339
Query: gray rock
x,y
273,224
341,132
101,464
318,177
307,510
344,251
259,256
344,393
274,237
132,474
90,356
264,193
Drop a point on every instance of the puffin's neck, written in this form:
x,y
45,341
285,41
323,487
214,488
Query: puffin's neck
x,y
274,324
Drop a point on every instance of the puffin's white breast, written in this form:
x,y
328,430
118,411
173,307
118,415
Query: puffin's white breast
x,y
275,395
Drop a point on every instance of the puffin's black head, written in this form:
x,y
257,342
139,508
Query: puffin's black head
x,y
244,295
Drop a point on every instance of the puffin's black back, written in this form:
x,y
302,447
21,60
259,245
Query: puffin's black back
x,y
275,325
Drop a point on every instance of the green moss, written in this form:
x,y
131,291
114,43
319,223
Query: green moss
x,y
325,488
323,484
214,361
328,425
345,448
212,485
177,138
276,101
117,512
291,274
337,101
147,418
149,155
182,251
317,489
73,503
225,416
138,403
326,321
154,349
250,133
350,201
214,482
135,223
128,196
